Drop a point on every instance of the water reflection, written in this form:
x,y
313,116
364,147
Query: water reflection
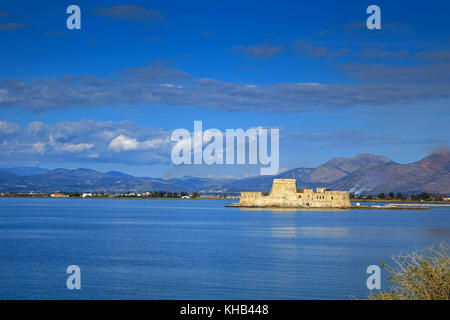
x,y
439,232
324,232
284,232
292,210
308,232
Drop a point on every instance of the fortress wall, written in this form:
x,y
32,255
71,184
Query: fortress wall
x,y
340,198
284,194
250,198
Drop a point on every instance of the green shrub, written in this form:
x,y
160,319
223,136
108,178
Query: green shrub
x,y
419,276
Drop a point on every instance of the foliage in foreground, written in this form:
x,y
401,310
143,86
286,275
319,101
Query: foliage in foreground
x,y
419,276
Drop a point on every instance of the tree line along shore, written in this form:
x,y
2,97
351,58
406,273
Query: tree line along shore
x,y
423,197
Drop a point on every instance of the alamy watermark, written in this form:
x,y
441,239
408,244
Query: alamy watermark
x,y
74,20
74,280
374,280
209,146
374,20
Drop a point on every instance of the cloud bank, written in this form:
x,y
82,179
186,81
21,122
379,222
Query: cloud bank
x,y
86,140
376,85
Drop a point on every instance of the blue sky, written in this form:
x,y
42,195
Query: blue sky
x,y
144,68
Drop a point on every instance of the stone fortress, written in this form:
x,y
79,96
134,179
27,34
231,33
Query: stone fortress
x,y
284,194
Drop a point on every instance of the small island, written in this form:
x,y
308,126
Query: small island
x,y
284,194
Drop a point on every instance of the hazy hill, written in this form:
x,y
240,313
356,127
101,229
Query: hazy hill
x,y
431,174
363,173
338,168
119,174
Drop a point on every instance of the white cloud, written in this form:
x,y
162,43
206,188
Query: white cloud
x,y
80,147
259,51
169,85
39,147
93,155
379,85
84,140
35,126
8,127
124,143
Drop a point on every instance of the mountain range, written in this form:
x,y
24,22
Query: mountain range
x,y
364,173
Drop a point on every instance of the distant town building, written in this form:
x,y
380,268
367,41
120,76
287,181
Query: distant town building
x,y
59,195
87,194
209,196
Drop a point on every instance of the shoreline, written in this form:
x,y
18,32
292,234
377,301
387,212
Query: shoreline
x,y
398,201
141,198
399,207
394,201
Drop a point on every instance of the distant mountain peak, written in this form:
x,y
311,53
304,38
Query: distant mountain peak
x,y
82,170
441,152
119,174
369,156
438,159
339,167
361,157
364,172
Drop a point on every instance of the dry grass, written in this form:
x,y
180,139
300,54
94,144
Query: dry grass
x,y
419,276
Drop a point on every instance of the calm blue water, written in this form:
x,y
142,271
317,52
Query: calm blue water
x,y
184,249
